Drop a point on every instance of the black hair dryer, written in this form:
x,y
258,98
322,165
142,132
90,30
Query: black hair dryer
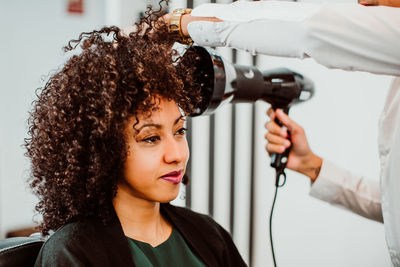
x,y
222,81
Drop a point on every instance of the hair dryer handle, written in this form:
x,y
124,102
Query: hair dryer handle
x,y
279,161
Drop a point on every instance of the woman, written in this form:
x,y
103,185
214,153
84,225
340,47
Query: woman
x,y
109,152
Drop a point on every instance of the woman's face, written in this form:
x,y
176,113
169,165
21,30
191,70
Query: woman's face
x,y
157,154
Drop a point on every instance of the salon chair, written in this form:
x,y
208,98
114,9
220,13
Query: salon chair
x,y
20,251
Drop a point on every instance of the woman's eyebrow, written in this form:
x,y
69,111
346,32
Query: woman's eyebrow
x,y
180,118
158,126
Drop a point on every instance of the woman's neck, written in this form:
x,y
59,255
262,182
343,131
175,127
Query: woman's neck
x,y
141,219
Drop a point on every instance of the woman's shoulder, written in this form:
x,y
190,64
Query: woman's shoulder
x,y
87,242
66,242
74,231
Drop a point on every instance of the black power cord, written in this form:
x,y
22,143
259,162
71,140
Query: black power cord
x,y
279,173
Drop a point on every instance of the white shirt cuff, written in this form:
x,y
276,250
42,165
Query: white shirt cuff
x,y
210,33
328,184
339,187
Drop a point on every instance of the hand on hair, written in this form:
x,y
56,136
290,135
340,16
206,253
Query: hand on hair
x,y
186,19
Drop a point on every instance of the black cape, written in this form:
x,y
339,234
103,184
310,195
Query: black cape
x,y
91,243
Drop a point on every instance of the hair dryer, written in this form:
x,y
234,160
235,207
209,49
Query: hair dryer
x,y
222,81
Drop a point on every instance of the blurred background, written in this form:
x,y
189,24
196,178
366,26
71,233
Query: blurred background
x,y
229,168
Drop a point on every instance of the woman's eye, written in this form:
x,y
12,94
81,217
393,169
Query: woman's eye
x,y
151,139
181,131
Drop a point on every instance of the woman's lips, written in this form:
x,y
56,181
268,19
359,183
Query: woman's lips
x,y
173,177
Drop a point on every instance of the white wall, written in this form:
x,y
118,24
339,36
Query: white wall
x,y
33,33
340,121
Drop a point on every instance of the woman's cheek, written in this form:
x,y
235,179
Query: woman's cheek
x,y
186,150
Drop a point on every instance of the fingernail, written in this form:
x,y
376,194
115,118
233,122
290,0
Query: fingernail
x,y
287,143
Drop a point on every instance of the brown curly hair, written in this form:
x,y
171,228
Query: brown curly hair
x,y
76,144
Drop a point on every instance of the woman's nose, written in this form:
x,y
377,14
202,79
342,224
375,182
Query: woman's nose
x,y
175,151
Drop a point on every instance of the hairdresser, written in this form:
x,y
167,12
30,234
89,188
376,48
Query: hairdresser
x,y
337,35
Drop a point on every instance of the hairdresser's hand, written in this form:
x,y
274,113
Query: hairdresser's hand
x,y
186,19
392,3
301,158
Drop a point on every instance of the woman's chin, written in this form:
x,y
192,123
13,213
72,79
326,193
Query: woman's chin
x,y
168,197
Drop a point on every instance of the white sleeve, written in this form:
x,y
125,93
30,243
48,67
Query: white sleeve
x,y
355,193
337,35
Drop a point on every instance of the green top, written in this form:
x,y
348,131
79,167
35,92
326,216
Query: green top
x,y
173,252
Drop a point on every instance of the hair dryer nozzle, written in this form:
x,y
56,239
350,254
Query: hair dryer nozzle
x,y
221,81
210,74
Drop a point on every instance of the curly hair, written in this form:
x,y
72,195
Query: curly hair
x,y
76,142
